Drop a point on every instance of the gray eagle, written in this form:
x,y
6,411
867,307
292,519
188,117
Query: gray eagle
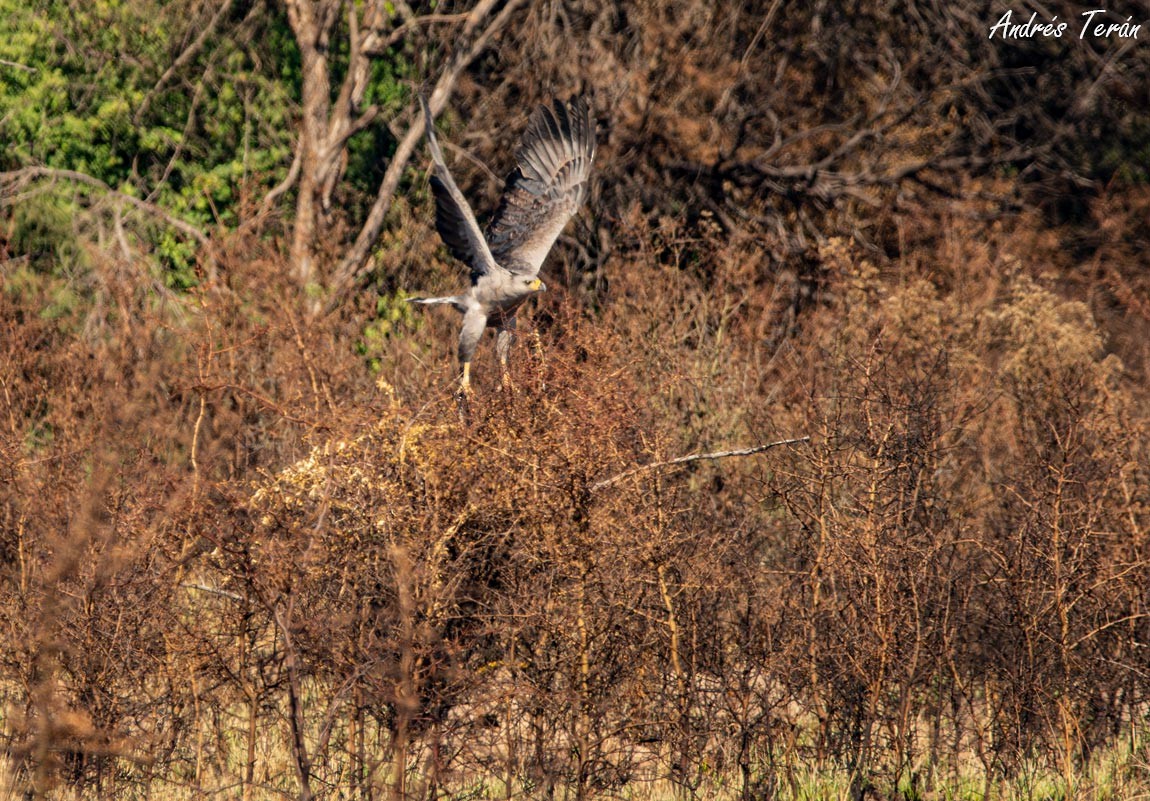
x,y
542,193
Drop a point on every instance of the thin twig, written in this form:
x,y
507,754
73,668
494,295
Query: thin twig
x,y
283,186
235,596
694,457
396,36
195,445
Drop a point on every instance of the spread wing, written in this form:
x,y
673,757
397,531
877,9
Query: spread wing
x,y
546,188
453,217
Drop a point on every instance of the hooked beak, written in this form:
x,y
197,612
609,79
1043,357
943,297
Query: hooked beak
x,y
538,285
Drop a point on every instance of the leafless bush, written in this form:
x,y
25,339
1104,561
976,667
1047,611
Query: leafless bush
x,y
249,550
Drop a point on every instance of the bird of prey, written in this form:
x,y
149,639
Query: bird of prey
x,y
541,194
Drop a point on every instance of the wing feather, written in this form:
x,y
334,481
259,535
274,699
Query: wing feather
x,y
547,186
454,219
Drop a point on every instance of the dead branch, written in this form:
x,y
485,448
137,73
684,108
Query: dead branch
x,y
408,25
283,186
301,758
694,457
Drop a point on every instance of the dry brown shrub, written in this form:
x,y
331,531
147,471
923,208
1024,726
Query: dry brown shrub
x,y
248,552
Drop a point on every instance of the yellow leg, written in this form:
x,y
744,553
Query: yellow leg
x,y
463,394
505,372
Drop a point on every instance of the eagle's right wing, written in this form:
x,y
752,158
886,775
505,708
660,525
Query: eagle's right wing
x,y
453,217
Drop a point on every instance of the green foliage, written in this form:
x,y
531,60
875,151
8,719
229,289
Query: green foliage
x,y
127,93
41,229
178,258
393,315
92,96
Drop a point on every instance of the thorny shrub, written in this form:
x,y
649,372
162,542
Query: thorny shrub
x,y
239,554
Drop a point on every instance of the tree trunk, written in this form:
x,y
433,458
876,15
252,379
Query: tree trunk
x,y
311,24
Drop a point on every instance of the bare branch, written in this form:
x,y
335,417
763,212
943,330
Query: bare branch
x,y
694,457
301,758
365,120
396,36
283,186
21,177
354,82
14,65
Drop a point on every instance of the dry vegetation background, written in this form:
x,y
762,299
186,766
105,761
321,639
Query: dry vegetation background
x,y
249,548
